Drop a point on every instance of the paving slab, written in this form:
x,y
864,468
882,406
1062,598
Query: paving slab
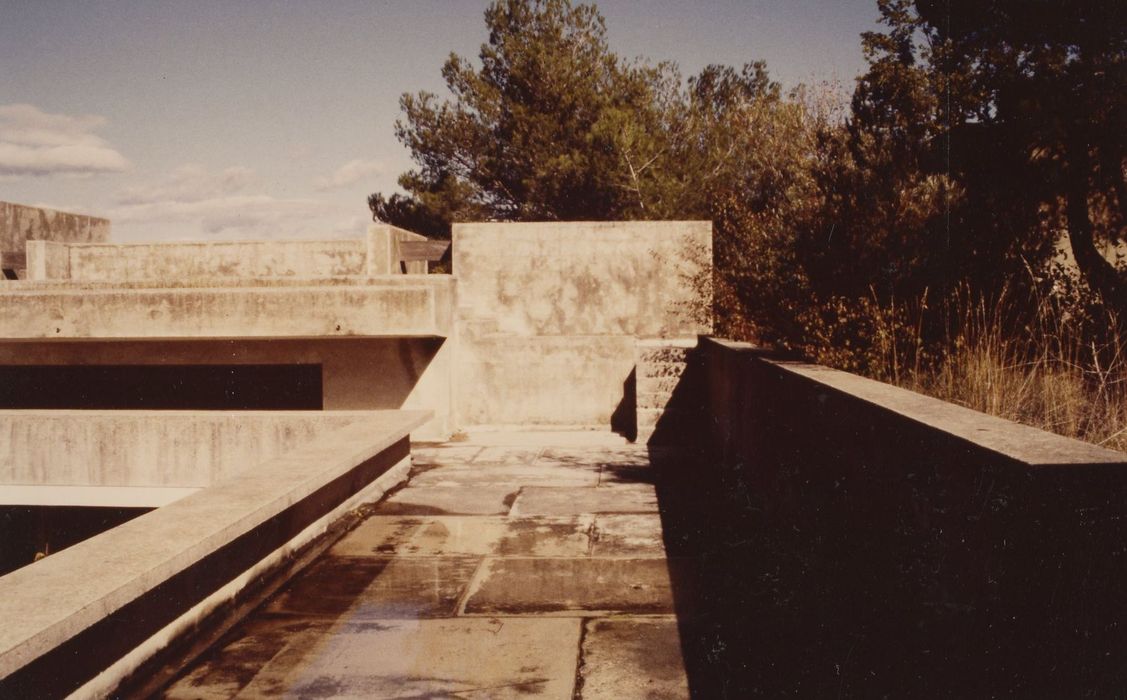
x,y
432,454
377,535
376,588
436,500
528,585
468,535
519,475
627,535
459,658
626,498
504,454
230,667
632,659
571,456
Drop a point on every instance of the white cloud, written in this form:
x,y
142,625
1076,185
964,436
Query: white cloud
x,y
34,142
349,174
189,183
193,201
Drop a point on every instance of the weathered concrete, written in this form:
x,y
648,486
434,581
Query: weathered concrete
x,y
19,224
517,585
489,606
632,659
585,278
574,296
178,449
121,262
626,498
485,658
250,312
122,575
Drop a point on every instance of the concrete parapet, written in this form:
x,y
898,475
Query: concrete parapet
x,y
121,262
84,618
150,448
974,556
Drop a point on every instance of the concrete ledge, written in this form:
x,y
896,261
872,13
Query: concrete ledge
x,y
72,615
228,312
93,496
1015,441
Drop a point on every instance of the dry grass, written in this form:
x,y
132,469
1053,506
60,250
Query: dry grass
x,y
1049,367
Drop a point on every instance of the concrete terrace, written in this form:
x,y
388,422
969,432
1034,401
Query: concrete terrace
x,y
510,565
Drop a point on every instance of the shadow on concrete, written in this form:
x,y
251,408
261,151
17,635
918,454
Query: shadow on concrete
x,y
624,420
828,565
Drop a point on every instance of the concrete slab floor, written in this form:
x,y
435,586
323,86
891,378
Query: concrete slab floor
x,y
503,569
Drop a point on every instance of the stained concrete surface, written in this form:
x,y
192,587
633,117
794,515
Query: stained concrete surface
x,y
447,590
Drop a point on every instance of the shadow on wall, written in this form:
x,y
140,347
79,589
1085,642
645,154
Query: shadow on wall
x,y
848,556
624,420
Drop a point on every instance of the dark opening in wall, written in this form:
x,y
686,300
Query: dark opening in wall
x,y
27,532
185,387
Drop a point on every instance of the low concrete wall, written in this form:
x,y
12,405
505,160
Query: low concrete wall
x,y
925,548
83,619
150,448
210,260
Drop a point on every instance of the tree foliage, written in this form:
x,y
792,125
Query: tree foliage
x,y
980,131
985,128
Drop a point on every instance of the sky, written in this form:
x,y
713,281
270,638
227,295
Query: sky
x,y
271,119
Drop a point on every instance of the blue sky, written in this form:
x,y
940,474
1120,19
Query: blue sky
x,y
201,119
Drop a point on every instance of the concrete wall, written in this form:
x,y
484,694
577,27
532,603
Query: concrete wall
x,y
19,223
150,448
549,312
585,278
943,552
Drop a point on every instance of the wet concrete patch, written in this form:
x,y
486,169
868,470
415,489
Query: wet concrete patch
x,y
233,663
377,535
520,475
627,535
352,589
526,586
630,498
471,658
632,659
435,500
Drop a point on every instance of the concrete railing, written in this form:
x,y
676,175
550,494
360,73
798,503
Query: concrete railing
x,y
934,549
83,619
